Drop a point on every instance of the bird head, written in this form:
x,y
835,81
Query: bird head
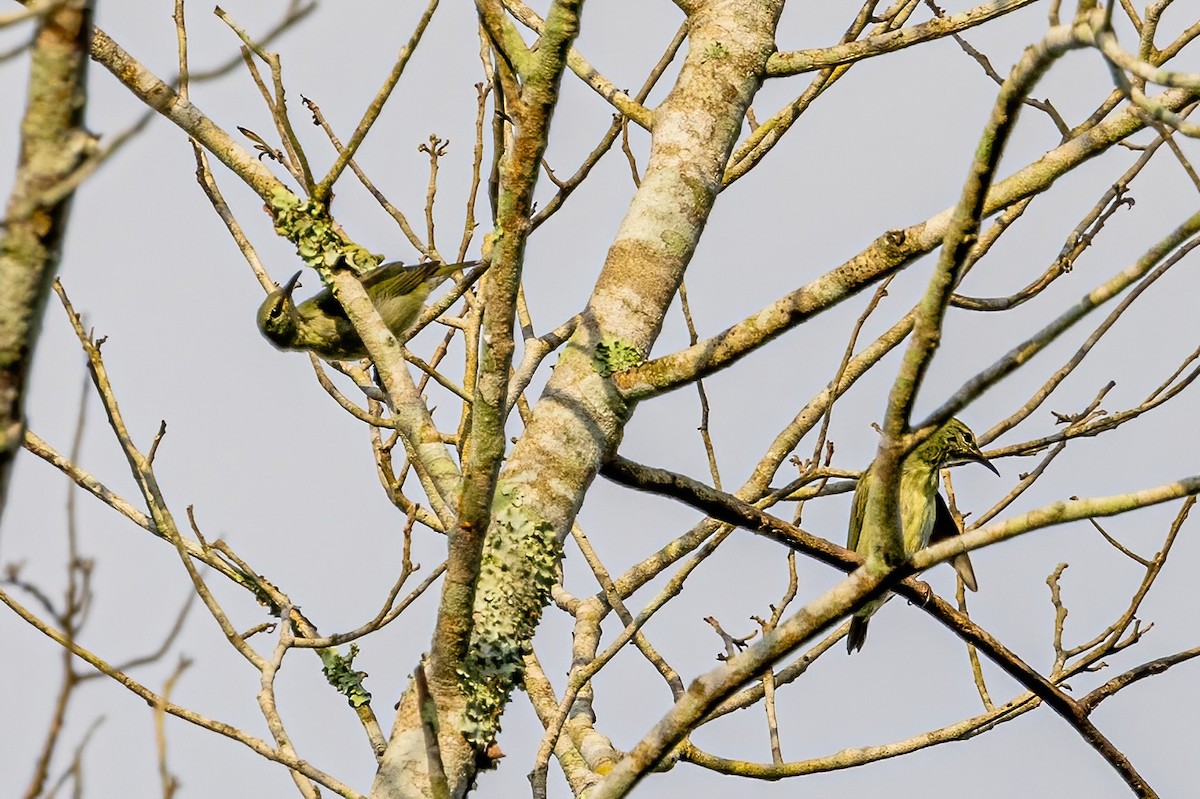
x,y
277,316
951,444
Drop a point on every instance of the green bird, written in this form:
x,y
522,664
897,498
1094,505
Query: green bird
x,y
924,516
319,324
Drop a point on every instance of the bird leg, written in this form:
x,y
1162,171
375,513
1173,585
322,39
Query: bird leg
x,y
926,593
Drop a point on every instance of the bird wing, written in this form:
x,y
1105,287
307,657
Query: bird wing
x,y
329,306
390,281
397,280
946,526
326,304
858,511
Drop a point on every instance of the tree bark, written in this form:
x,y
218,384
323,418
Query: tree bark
x,y
53,146
578,421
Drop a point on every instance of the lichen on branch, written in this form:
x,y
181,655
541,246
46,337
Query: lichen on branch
x,y
319,242
521,552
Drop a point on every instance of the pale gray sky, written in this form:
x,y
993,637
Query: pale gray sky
x,y
274,467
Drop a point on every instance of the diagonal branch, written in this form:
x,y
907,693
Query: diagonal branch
x,y
710,689
626,105
800,61
257,745
894,250
1010,361
960,236
323,189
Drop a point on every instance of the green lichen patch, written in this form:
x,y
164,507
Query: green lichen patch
x,y
613,355
339,671
519,566
307,224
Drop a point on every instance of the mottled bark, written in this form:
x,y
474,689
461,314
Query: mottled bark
x,y
579,418
53,146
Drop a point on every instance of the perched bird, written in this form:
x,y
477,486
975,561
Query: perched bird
x,y
924,516
319,324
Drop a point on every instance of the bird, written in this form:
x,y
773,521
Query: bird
x,y
924,515
320,325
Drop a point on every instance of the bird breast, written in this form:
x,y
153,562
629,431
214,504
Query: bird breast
x,y
917,507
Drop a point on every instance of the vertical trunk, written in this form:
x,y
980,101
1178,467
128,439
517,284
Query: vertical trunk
x,y
53,145
579,418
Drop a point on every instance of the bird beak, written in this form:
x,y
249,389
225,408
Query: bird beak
x,y
291,285
979,458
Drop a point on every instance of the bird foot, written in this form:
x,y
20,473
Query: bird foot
x,y
926,594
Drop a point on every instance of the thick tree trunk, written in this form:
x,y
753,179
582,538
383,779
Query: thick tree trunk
x,y
579,418
53,145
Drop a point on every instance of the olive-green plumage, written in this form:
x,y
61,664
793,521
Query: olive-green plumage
x,y
319,324
924,516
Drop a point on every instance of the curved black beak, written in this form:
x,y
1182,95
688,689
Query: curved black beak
x,y
978,457
291,285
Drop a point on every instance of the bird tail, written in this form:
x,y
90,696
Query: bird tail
x,y
857,634
443,270
962,565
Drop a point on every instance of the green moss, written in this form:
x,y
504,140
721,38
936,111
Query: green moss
x,y
318,241
613,355
339,671
520,560
676,243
